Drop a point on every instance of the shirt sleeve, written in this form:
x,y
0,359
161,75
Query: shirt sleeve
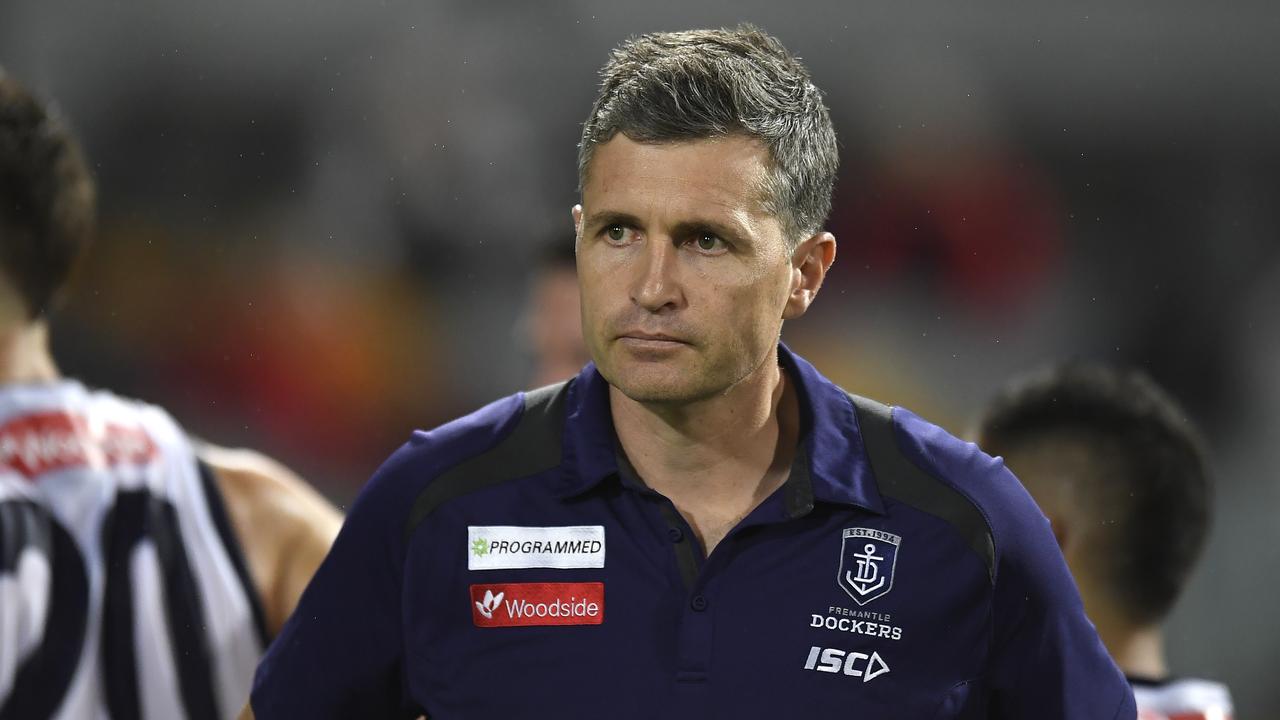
x,y
340,653
1048,662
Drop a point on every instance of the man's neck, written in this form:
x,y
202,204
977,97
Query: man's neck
x,y
715,459
24,354
1139,652
1137,649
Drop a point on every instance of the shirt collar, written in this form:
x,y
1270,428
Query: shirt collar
x,y
831,466
838,467
588,445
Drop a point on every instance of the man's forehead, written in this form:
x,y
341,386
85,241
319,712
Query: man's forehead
x,y
729,173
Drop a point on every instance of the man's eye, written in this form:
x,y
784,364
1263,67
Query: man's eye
x,y
616,233
709,242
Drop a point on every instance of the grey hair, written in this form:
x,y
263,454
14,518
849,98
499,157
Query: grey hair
x,y
697,84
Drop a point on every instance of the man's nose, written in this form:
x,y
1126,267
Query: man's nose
x,y
657,286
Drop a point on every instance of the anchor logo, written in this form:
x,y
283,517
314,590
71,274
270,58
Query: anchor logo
x,y
867,560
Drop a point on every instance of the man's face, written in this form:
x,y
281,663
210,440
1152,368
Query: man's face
x,y
554,325
685,276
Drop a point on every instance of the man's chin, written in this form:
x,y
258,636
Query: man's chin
x,y
653,382
647,394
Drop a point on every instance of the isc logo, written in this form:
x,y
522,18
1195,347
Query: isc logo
x,y
853,664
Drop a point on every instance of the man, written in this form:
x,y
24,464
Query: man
x,y
141,573
1120,472
698,524
550,326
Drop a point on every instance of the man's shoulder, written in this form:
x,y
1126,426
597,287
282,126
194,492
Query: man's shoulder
x,y
510,438
959,483
952,479
959,464
70,397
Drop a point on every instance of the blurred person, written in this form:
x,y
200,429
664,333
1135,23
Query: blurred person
x,y
698,524
1120,471
552,325
141,572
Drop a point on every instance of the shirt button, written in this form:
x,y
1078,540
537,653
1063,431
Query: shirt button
x,y
699,603
675,533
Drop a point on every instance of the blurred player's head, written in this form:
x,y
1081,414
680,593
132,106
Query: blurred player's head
x,y
553,321
1120,471
699,84
46,205
706,169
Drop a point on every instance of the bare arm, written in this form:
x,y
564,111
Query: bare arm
x,y
285,527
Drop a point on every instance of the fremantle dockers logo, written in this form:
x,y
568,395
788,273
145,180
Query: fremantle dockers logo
x,y
867,559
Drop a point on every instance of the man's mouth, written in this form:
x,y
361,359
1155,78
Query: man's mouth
x,y
650,340
663,337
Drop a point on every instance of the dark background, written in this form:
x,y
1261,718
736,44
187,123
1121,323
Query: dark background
x,y
318,219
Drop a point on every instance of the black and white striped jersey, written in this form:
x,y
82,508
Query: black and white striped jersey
x,y
123,591
1182,699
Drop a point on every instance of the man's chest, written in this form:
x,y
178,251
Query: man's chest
x,y
520,614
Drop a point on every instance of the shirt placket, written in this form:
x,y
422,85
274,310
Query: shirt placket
x,y
699,575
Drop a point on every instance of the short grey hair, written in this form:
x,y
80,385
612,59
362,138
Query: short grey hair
x,y
697,84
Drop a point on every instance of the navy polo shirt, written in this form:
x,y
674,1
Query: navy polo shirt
x,y
510,564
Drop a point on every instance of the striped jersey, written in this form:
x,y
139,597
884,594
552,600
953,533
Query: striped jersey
x,y
123,592
1182,699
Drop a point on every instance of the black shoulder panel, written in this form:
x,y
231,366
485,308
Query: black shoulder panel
x,y
901,479
533,446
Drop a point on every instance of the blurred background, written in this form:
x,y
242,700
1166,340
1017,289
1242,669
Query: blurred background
x,y
319,220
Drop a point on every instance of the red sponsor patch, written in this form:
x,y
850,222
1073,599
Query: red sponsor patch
x,y
517,604
41,442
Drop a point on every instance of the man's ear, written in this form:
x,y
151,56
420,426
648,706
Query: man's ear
x,y
576,212
809,264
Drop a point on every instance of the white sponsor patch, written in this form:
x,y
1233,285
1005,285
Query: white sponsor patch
x,y
504,547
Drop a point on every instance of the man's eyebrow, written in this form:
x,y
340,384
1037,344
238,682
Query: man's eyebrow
x,y
728,231
605,218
